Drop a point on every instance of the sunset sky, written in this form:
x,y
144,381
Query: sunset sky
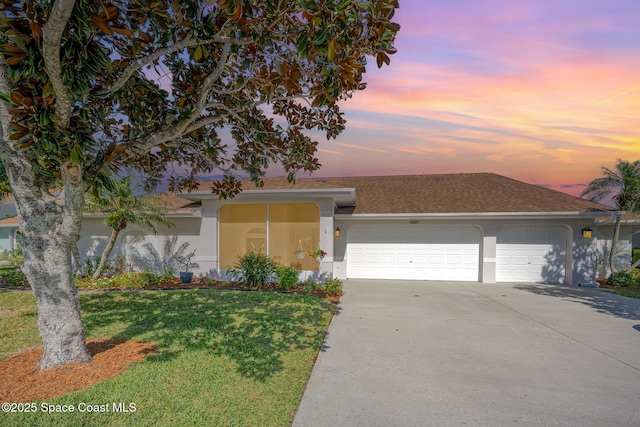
x,y
542,91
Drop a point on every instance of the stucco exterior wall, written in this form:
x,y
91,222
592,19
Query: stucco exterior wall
x,y
622,252
131,242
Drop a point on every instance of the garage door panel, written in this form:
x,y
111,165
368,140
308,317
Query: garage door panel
x,y
524,253
421,253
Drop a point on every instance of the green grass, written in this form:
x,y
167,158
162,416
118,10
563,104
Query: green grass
x,y
631,293
223,357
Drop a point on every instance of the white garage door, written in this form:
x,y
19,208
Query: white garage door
x,y
413,253
531,254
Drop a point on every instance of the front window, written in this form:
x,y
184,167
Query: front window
x,y
281,230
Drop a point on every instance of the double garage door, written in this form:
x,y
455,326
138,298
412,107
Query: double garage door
x,y
414,253
523,253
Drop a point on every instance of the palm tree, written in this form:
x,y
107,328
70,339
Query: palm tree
x,y
5,189
623,185
123,208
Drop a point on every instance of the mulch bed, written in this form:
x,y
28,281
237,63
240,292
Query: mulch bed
x,y
23,381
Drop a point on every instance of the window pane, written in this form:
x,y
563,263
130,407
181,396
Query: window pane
x,y
293,227
242,228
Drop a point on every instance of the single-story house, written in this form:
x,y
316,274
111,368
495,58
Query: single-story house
x,y
9,234
477,227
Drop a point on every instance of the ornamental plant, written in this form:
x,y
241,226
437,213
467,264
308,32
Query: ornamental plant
x,y
318,254
287,277
254,269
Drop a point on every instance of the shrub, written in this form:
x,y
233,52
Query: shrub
x,y
328,287
14,278
620,279
332,286
14,256
120,281
254,269
635,278
287,277
635,255
90,266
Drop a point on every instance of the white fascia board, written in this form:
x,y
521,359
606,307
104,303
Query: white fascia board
x,y
9,225
341,196
170,214
473,215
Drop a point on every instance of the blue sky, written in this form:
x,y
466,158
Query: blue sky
x,y
546,92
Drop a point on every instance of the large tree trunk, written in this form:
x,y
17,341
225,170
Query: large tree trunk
x,y
107,252
50,227
614,243
48,268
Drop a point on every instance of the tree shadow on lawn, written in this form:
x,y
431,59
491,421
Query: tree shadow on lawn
x,y
254,329
601,301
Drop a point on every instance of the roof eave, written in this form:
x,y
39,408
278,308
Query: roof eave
x,y
341,196
169,214
475,215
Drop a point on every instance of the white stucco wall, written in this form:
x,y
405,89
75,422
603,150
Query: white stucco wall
x,y
622,252
131,241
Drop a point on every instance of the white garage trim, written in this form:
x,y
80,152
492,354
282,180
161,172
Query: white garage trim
x,y
532,254
414,252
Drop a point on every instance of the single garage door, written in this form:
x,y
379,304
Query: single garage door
x,y
413,253
534,254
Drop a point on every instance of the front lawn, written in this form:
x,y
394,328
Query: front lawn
x,y
222,357
631,293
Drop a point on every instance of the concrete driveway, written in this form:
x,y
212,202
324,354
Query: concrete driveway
x,y
451,354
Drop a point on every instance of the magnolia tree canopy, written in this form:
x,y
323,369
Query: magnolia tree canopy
x,y
91,87
143,84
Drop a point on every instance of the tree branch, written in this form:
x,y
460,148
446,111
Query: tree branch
x,y
211,79
52,36
159,53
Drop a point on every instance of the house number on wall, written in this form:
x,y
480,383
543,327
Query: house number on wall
x,y
413,221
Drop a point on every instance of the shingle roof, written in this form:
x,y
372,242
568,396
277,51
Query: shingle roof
x,y
172,202
12,220
449,193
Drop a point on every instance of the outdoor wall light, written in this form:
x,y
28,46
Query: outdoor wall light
x,y
337,233
587,233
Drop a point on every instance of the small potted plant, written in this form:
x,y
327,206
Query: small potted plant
x,y
185,260
299,254
186,275
318,254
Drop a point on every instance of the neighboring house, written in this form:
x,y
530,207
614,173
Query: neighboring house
x,y
9,235
461,227
629,238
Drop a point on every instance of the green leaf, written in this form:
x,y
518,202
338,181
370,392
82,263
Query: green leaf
x,y
302,46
